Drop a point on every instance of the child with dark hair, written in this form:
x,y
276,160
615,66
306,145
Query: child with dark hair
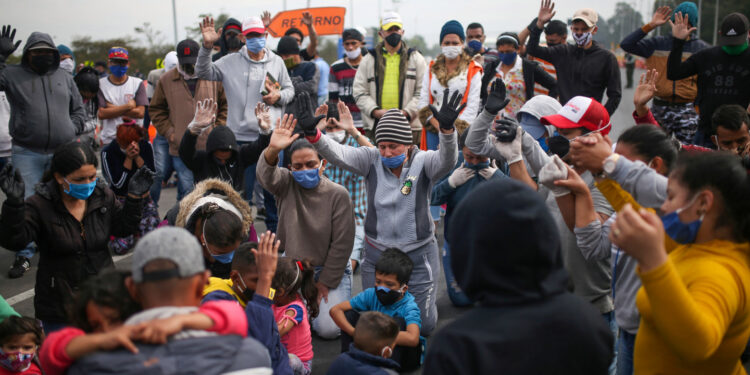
x,y
374,340
295,304
20,337
389,296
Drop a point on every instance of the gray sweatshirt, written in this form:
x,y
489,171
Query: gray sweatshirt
x,y
46,111
398,213
591,278
243,78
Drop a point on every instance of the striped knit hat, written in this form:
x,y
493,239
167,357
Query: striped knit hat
x,y
393,127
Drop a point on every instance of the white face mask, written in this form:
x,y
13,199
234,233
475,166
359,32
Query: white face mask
x,y
67,65
337,136
451,52
583,39
353,54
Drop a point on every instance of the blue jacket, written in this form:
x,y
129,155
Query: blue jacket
x,y
444,193
357,362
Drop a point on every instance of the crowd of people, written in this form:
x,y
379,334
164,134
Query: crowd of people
x,y
571,252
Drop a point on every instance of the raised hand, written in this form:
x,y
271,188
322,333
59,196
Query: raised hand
x,y
267,254
7,47
588,152
640,235
141,182
661,16
205,115
263,114
512,151
11,183
266,18
646,88
283,135
346,122
307,18
449,111
210,35
546,12
308,121
496,100
680,27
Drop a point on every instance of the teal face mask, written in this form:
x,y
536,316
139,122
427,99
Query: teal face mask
x,y
80,191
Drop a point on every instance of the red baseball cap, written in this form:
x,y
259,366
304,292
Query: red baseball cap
x,y
580,112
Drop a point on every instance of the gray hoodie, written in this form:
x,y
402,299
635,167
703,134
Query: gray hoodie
x,y
46,111
243,80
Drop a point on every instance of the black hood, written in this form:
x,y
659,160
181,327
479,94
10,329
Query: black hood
x,y
222,138
505,245
37,37
222,43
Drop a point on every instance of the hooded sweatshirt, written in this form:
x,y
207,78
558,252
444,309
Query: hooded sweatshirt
x,y
204,165
46,111
223,51
243,79
507,256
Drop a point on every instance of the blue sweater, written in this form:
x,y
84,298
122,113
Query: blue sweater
x,y
261,326
357,362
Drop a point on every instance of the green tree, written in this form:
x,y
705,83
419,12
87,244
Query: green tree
x,y
328,49
194,32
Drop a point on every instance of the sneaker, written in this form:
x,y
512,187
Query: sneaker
x,y
20,266
261,215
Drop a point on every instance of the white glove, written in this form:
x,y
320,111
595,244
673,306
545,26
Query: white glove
x,y
488,172
512,152
263,114
205,115
554,170
460,176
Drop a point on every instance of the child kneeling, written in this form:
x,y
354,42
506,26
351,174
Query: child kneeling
x,y
389,296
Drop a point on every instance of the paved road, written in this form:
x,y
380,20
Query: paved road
x,y
19,292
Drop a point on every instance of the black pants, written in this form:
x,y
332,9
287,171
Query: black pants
x,y
409,358
629,74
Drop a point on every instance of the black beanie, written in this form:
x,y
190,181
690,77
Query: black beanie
x,y
287,46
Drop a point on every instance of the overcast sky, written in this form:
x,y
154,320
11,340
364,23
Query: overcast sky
x,y
65,20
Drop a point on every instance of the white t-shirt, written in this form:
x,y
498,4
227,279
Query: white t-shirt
x,y
120,94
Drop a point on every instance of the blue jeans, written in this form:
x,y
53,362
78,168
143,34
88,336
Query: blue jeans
x,y
359,243
269,202
421,284
457,296
625,348
323,325
3,161
32,166
612,323
165,165
432,144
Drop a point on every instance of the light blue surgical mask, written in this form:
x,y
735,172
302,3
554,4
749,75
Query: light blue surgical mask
x,y
255,45
307,178
221,258
393,161
682,233
80,191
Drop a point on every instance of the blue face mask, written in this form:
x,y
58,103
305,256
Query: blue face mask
x,y
255,45
118,70
80,191
543,142
477,166
393,161
508,58
221,258
308,178
682,233
475,45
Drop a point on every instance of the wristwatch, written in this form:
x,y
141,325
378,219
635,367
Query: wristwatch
x,y
609,164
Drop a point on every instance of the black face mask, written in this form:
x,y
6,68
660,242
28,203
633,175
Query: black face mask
x,y
387,296
393,40
558,145
42,63
233,42
189,69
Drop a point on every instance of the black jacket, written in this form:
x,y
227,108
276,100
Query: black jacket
x,y
532,73
222,43
507,256
203,165
722,78
69,251
585,72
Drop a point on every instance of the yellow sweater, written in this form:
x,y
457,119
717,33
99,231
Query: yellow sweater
x,y
695,318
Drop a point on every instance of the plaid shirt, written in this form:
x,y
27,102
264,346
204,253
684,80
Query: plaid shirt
x,y
354,184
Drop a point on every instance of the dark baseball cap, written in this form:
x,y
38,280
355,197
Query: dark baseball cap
x,y
187,51
733,30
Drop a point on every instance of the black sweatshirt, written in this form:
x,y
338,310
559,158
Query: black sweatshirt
x,y
584,72
722,78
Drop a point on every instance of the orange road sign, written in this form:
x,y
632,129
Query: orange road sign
x,y
327,21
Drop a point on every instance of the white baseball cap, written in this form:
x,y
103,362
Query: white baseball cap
x,y
391,19
253,25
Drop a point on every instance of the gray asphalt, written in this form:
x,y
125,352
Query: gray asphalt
x,y
18,291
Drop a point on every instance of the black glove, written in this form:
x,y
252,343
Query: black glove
x,y
333,111
449,111
505,130
141,181
496,100
306,118
6,42
12,184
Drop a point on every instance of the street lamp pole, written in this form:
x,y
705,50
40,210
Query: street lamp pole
x,y
174,22
716,21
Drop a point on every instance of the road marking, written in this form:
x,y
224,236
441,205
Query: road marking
x,y
20,297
